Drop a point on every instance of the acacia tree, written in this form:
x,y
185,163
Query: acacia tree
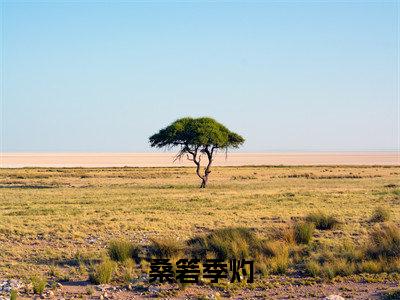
x,y
197,137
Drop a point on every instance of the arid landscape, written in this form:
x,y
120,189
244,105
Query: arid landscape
x,y
200,150
166,159
318,230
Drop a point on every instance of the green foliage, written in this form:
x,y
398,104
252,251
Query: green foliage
x,y
377,256
196,132
330,269
271,256
313,268
303,232
197,136
126,271
380,214
350,252
225,243
279,263
102,273
323,221
38,284
384,242
13,295
370,266
166,247
120,250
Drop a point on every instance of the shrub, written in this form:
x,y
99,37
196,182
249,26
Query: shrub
x,y
226,243
328,271
342,267
370,266
322,221
384,242
38,284
269,248
128,271
13,295
280,262
121,250
285,234
349,251
303,232
164,248
102,273
261,266
313,268
272,257
329,261
393,266
380,214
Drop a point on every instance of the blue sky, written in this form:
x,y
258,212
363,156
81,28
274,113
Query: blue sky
x,y
87,76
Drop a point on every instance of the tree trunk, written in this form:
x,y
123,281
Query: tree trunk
x,y
207,171
197,159
204,182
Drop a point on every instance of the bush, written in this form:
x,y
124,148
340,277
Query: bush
x,y
322,221
330,269
38,284
313,268
303,232
269,248
226,243
127,271
273,258
287,234
328,261
102,273
163,248
393,266
380,214
384,241
261,266
342,267
279,263
121,250
349,251
13,295
370,266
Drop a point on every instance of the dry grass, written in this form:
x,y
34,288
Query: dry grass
x,y
103,272
384,242
303,232
323,221
380,214
66,217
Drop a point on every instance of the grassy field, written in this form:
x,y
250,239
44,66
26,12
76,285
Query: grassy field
x,y
52,220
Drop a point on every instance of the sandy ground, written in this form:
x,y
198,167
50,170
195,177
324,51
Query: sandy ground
x,y
16,160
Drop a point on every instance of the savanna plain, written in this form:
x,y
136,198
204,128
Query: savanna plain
x,y
312,231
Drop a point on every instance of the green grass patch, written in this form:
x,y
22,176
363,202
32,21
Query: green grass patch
x,y
380,214
103,272
323,221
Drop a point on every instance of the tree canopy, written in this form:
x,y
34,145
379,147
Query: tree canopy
x,y
194,132
197,136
